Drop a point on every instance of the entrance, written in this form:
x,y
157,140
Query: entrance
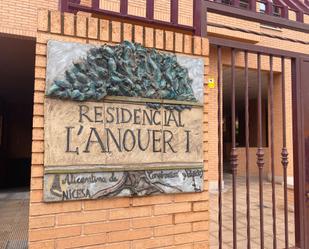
x,y
16,105
240,122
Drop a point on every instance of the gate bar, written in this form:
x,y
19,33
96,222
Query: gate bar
x,y
219,69
234,153
272,150
254,48
247,149
284,155
260,151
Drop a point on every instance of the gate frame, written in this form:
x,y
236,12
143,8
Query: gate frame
x,y
297,119
299,156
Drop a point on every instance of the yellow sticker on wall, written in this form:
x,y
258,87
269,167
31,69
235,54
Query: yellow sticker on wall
x,y
211,82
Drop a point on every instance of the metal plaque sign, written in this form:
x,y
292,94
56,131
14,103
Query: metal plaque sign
x,y
121,120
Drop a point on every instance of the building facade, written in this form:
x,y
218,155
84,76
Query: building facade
x,y
238,122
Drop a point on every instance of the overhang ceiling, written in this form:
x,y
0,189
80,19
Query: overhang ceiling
x,y
16,70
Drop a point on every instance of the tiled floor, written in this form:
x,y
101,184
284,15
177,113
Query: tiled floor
x,y
14,208
255,218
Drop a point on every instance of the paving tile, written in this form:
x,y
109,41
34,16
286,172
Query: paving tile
x,y
14,210
254,214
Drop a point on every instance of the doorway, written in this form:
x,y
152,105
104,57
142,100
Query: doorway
x,y
240,116
16,105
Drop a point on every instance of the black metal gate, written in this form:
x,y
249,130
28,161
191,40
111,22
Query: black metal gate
x,y
271,54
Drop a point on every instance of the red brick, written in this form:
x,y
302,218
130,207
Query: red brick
x,y
37,146
201,245
38,109
81,25
104,30
43,20
53,233
203,196
125,213
93,28
40,72
36,171
55,22
190,217
36,183
84,217
68,24
36,196
130,235
188,44
106,227
48,244
38,97
38,135
152,221
41,222
172,229
116,31
53,208
172,208
151,200
106,204
39,85
38,122
81,241
157,242
200,206
190,237
200,226
120,245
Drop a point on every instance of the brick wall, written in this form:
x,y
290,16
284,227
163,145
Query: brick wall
x,y
161,9
20,17
166,221
254,32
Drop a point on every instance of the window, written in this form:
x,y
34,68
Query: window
x,y
277,11
244,4
261,7
228,2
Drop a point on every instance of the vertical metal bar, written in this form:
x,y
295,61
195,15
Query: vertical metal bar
x,y
260,151
174,11
272,150
284,155
269,8
200,18
219,69
235,3
124,7
300,16
247,149
233,155
95,4
298,154
285,12
252,5
150,9
64,6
